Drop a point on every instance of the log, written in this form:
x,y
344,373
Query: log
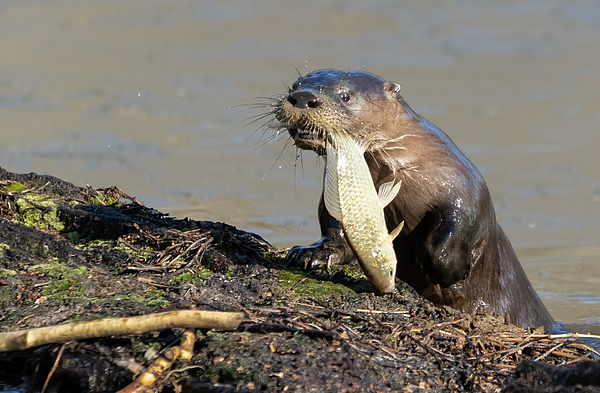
x,y
106,327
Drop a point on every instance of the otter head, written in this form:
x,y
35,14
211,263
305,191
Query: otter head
x,y
334,101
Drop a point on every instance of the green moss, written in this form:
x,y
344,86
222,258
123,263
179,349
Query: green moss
x,y
13,186
75,318
6,297
337,281
230,271
68,285
90,245
81,270
63,290
154,298
7,272
311,287
87,316
288,278
155,294
278,258
73,236
118,270
105,201
35,210
55,269
148,300
140,255
216,341
195,278
204,274
186,276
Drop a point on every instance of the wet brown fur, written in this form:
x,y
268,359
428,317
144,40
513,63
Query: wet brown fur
x,y
451,250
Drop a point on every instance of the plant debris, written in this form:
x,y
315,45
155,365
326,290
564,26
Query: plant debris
x,y
70,254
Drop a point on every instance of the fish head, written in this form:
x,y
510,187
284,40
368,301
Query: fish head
x,y
333,101
383,274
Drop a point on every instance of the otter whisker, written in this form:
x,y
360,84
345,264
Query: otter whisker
x,y
283,150
257,102
265,127
263,142
298,154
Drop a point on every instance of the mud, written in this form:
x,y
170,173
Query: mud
x,y
70,254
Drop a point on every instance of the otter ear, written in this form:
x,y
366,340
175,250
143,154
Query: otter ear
x,y
392,87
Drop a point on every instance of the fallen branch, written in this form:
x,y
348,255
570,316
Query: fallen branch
x,y
190,319
160,365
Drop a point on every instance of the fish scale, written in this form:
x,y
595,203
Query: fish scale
x,y
351,198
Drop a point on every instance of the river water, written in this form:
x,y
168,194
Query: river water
x,y
155,97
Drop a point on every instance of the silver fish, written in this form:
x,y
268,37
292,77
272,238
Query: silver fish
x,y
351,198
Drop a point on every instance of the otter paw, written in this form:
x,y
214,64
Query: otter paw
x,y
321,254
306,257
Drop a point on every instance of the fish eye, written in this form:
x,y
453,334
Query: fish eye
x,y
345,96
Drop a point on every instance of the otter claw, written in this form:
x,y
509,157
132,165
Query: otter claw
x,y
329,251
305,257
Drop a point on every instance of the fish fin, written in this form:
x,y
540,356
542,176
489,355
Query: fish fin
x,y
387,192
331,194
361,145
396,231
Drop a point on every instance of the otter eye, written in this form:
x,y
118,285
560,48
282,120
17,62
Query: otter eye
x,y
345,97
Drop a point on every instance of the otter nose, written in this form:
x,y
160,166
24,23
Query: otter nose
x,y
303,99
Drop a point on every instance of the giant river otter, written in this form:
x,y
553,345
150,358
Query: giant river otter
x,y
451,249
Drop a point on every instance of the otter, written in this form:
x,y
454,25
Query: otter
x,y
451,250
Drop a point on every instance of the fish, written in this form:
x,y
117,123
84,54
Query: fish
x,y
351,198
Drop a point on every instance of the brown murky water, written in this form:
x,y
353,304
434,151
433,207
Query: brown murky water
x,y
138,94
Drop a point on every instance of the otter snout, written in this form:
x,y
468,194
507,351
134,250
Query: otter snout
x,y
303,99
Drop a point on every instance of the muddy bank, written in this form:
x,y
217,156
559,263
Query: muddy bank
x,y
70,254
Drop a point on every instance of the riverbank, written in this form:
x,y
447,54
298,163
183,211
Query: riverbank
x,y
70,254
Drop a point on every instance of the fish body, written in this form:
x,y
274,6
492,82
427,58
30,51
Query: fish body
x,y
350,197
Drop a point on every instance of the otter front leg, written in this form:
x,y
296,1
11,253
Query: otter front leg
x,y
332,249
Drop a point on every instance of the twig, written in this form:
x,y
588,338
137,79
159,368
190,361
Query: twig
x,y
20,321
137,249
549,351
54,367
433,350
382,312
186,251
155,283
293,288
